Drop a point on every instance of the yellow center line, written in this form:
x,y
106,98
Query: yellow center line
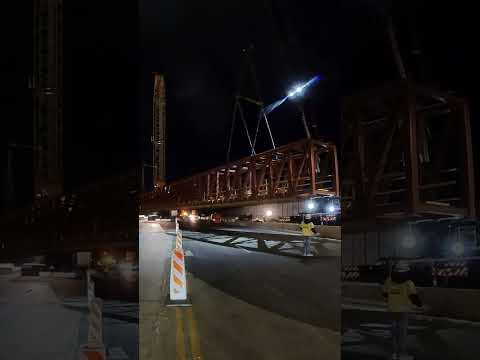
x,y
181,353
194,337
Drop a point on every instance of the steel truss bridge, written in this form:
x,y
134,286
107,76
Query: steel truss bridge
x,y
406,152
300,169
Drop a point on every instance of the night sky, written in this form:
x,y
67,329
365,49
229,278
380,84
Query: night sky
x,y
15,96
112,49
101,89
198,47
101,79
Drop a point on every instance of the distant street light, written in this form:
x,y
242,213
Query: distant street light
x,y
268,213
310,205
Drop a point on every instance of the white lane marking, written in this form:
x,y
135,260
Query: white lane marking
x,y
271,243
219,240
286,247
250,244
239,247
241,240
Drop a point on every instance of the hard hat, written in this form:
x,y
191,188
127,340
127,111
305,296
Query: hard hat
x,y
401,266
308,216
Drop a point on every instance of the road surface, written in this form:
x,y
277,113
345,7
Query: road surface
x,y
246,304
302,289
367,336
36,322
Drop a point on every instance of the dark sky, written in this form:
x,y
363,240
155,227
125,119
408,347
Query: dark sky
x,y
198,48
101,88
101,77
15,97
112,48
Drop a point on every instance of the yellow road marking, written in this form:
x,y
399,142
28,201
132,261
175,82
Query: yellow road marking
x,y
181,354
194,337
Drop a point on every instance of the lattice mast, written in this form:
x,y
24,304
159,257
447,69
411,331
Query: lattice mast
x,y
159,130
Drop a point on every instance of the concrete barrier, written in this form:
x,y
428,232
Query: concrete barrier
x,y
327,231
462,304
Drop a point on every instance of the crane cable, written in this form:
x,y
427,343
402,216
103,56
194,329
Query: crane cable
x,y
261,113
238,107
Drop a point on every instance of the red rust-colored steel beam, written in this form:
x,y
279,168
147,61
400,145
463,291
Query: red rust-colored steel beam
x,y
262,177
408,172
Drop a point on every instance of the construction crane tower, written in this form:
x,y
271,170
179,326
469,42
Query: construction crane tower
x,y
159,131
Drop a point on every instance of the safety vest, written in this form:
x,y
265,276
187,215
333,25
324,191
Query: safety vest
x,y
398,295
307,228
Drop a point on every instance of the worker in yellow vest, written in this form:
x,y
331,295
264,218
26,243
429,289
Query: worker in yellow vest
x,y
401,296
107,261
308,230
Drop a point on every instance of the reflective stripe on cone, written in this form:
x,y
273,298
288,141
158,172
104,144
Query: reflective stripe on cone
x,y
95,322
92,352
178,240
178,281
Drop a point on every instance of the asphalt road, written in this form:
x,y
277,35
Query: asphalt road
x,y
367,336
250,301
35,323
304,289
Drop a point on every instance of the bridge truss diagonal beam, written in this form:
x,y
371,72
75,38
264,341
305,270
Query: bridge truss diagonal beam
x,y
307,167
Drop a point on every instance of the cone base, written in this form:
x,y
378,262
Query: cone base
x,y
169,302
